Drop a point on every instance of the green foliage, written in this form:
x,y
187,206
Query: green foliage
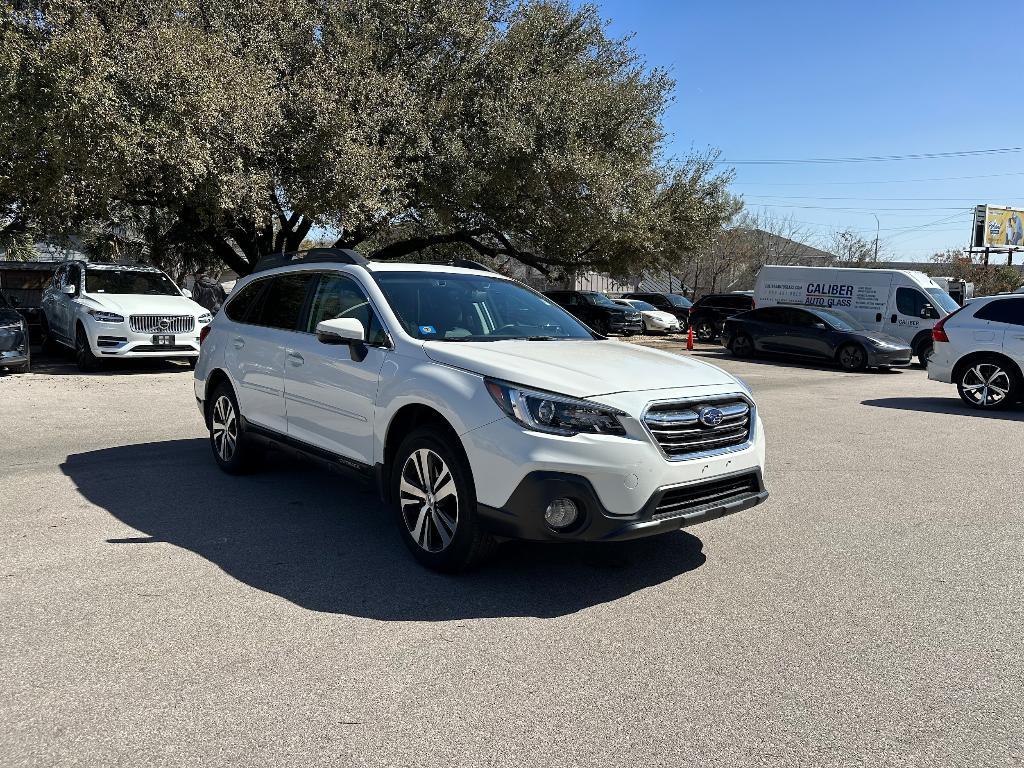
x,y
227,129
988,280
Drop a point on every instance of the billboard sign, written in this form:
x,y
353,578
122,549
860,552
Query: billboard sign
x,y
997,226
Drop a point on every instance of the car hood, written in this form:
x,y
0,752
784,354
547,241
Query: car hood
x,y
141,304
657,314
579,368
884,337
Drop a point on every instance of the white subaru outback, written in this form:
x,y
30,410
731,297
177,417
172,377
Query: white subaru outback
x,y
482,409
108,311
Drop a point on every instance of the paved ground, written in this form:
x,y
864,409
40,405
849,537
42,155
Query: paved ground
x,y
157,612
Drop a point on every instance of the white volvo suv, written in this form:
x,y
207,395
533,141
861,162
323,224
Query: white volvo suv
x,y
106,311
980,348
482,409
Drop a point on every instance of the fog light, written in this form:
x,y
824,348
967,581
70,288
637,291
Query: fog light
x,y
561,513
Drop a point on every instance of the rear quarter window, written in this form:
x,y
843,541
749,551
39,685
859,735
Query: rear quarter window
x,y
240,307
1009,311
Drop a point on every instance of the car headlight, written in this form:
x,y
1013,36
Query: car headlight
x,y
554,414
204,318
105,317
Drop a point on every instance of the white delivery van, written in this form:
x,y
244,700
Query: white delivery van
x,y
897,302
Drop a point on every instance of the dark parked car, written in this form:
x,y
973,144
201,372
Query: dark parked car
x,y
15,354
666,302
709,312
598,311
815,334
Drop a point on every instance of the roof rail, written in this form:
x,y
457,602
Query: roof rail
x,y
310,256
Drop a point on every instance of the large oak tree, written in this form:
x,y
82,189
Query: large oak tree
x,y
241,128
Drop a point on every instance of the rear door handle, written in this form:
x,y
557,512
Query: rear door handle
x,y
295,358
238,342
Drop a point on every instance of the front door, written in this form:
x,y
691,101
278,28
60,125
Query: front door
x,y
808,335
331,389
910,312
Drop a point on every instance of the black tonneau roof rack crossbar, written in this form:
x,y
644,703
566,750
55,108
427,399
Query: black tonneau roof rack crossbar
x,y
310,256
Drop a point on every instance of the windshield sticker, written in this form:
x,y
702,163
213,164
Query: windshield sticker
x,y
427,329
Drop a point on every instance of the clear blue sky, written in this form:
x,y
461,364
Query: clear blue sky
x,y
795,79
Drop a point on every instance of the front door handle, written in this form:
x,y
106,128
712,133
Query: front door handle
x,y
295,358
892,319
238,342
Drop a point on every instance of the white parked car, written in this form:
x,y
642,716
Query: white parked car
x,y
115,311
654,319
980,348
482,409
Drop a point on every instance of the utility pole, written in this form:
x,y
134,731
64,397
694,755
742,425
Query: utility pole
x,y
877,230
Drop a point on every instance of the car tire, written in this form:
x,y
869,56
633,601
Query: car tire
x,y
47,343
234,452
742,346
989,384
852,357
705,331
87,361
924,354
442,532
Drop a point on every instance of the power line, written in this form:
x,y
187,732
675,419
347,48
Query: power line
x,y
858,208
875,181
884,199
877,158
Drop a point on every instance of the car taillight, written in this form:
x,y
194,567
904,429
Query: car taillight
x,y
939,329
203,333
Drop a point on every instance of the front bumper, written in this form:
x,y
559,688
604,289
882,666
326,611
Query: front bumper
x,y
117,340
13,346
668,509
889,357
625,326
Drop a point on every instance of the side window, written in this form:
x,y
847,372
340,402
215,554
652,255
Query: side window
x,y
776,315
73,276
1010,311
284,300
339,296
801,319
910,301
240,307
571,299
58,278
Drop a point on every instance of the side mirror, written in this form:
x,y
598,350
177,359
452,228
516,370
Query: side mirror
x,y
928,312
341,330
69,290
186,293
820,326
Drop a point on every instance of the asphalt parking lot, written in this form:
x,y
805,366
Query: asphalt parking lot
x,y
158,612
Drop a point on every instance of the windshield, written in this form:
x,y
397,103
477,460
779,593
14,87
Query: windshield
x,y
458,307
643,306
593,297
839,320
679,301
946,302
129,281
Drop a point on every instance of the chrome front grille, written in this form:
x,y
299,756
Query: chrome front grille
x,y
162,323
680,430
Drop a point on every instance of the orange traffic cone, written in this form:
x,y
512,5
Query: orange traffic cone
x,y
689,340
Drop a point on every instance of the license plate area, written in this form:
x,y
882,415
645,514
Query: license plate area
x,y
163,340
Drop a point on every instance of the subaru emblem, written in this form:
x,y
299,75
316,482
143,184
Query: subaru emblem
x,y
710,416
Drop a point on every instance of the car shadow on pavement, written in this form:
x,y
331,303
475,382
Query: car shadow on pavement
x,y
60,365
949,405
785,362
325,542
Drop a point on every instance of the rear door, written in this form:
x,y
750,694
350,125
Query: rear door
x,y
260,348
1004,318
331,389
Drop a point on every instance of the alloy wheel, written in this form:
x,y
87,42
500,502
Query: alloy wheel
x,y
429,500
851,358
741,346
986,384
224,428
